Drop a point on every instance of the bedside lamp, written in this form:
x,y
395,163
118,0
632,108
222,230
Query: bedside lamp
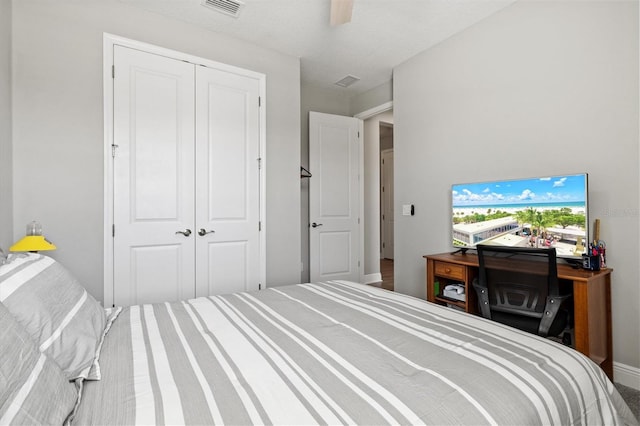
x,y
34,240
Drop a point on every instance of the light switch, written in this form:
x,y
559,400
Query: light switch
x,y
407,210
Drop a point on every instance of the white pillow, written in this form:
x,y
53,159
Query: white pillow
x,y
65,321
33,389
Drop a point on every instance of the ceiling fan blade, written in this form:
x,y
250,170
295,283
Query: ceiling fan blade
x,y
341,12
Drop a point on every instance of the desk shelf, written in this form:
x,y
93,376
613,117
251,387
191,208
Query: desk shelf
x,y
591,300
447,300
445,272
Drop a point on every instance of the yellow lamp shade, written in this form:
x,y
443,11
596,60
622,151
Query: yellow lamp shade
x,y
32,243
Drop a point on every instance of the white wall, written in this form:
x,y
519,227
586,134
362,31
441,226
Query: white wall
x,y
318,100
372,98
6,213
372,193
58,125
539,88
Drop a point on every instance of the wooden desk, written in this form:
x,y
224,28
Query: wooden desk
x,y
591,300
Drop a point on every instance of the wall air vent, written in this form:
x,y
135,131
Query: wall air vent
x,y
228,7
347,81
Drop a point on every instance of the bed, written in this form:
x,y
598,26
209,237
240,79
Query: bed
x,y
327,353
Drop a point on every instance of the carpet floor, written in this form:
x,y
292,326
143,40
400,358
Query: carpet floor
x,y
632,398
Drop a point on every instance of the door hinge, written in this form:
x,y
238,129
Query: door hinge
x,y
358,135
383,189
259,101
383,246
358,263
113,230
259,225
113,71
259,163
259,286
113,150
358,221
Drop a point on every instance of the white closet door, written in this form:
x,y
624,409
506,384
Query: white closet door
x,y
153,178
227,182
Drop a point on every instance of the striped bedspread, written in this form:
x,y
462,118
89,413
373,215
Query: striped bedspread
x,y
336,353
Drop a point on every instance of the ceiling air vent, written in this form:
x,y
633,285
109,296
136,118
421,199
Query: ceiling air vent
x,y
228,7
347,81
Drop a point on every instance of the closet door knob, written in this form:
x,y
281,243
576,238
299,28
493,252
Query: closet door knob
x,y
186,232
315,225
202,232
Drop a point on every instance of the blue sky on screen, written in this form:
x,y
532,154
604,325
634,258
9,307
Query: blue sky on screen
x,y
553,190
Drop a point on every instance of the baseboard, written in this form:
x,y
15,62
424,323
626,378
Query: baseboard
x,y
626,375
372,278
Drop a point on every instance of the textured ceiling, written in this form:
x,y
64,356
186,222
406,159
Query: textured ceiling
x,y
381,35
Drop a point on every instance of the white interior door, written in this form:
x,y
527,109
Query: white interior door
x,y
335,206
387,204
153,178
227,182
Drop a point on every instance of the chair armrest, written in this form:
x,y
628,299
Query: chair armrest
x,y
551,309
483,298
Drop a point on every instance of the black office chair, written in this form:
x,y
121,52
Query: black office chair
x,y
518,286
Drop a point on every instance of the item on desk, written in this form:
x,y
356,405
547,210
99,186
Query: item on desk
x,y
591,262
454,291
599,247
595,259
596,230
602,252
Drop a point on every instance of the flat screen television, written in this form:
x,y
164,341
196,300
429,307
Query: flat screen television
x,y
548,211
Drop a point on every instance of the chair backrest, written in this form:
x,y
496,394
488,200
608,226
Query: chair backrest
x,y
517,280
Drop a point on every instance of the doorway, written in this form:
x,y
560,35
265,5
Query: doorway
x,y
372,187
387,211
370,214
387,271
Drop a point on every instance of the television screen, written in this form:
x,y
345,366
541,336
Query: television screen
x,y
537,212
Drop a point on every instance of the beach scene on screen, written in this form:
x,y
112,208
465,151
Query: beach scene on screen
x,y
535,212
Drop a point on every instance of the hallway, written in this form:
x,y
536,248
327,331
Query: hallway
x,y
386,270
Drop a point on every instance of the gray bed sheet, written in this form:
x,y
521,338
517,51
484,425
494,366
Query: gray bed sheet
x,y
336,353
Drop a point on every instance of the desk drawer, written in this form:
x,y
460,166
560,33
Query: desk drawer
x,y
449,270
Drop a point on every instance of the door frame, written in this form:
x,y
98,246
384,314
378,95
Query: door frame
x,y
364,115
111,40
